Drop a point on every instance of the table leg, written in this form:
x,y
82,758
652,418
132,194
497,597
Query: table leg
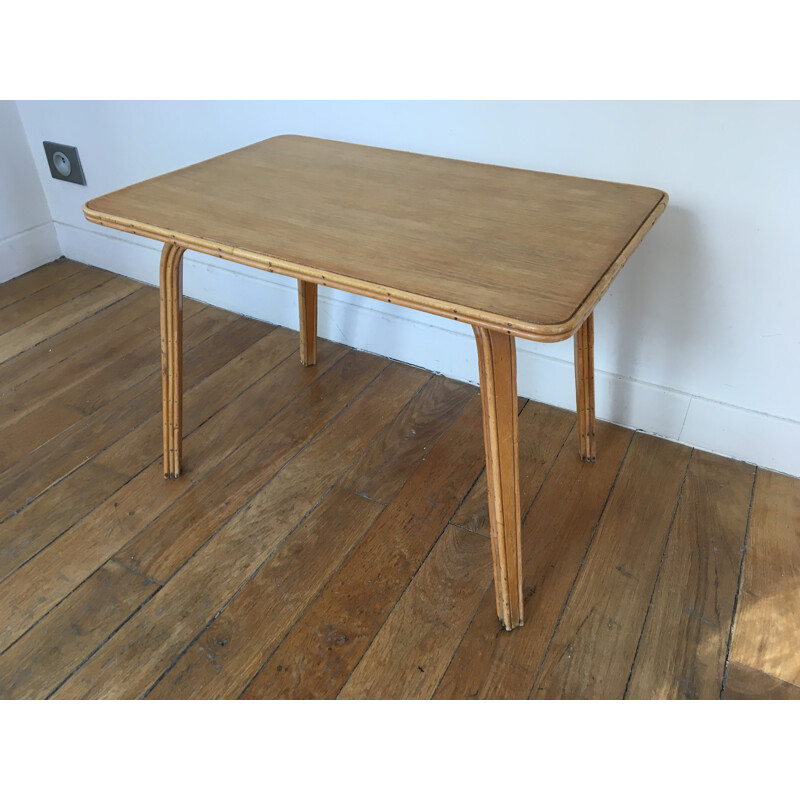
x,y
498,375
584,388
171,279
307,295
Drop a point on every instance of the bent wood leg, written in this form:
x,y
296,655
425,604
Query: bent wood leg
x,y
307,295
171,283
584,388
497,362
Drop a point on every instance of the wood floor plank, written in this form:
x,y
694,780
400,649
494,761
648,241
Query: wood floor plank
x,y
174,536
33,528
685,640
230,651
36,664
27,308
593,648
542,431
131,662
427,623
766,633
31,282
33,429
44,581
492,663
39,523
46,325
70,341
386,465
86,335
746,683
131,510
211,396
50,383
213,340
102,387
34,472
319,653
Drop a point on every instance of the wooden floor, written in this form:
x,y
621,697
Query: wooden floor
x,y
329,535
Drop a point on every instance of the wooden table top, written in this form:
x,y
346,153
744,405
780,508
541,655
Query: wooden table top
x,y
528,252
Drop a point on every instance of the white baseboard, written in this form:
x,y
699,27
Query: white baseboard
x,y
448,347
761,439
27,250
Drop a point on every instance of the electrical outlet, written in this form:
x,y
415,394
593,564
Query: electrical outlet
x,y
64,162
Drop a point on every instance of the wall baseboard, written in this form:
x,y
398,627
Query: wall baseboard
x,y
771,442
448,347
27,250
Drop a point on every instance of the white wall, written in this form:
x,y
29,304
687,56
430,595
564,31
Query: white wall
x,y
27,234
698,339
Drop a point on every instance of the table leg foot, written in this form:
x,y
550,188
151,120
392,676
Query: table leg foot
x,y
584,388
307,295
171,283
498,377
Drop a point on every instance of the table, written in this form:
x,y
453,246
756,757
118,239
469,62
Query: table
x,y
511,252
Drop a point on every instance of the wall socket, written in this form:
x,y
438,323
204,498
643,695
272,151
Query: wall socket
x,y
64,162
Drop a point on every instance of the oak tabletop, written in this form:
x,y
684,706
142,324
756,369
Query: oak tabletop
x,y
528,252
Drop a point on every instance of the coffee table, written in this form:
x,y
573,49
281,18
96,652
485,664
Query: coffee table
x,y
511,252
